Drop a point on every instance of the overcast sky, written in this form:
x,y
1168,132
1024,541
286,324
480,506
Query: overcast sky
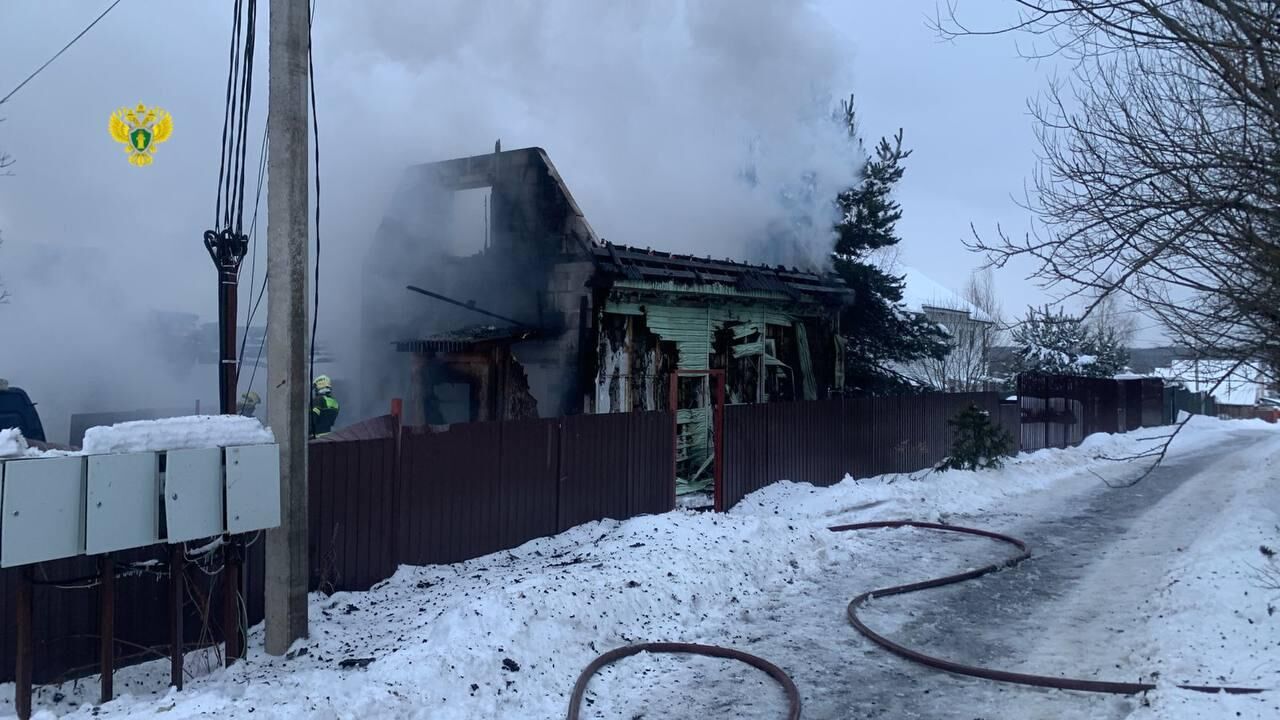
x,y
644,108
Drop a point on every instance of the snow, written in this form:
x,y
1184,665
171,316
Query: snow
x,y
177,433
506,635
922,292
12,443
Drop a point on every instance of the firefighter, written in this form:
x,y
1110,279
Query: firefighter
x,y
324,407
249,404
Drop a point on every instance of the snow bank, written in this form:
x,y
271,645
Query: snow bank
x,y
1217,612
935,495
194,431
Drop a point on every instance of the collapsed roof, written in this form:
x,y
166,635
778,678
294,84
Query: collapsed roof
x,y
621,262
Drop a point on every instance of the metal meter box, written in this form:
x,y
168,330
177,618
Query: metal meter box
x,y
43,510
193,494
122,507
253,488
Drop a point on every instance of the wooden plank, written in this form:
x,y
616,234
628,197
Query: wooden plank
x,y
177,597
107,628
25,651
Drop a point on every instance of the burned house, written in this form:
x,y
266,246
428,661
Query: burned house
x,y
543,318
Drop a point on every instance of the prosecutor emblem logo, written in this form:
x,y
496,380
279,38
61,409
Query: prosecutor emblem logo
x,y
140,129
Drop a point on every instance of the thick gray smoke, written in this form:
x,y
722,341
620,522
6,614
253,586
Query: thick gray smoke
x,y
701,127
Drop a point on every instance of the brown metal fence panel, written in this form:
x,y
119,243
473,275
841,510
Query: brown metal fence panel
x,y
650,464
529,471
595,482
449,494
820,441
859,439
746,452
804,440
1064,409
351,493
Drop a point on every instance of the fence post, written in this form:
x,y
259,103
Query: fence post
x,y
25,646
177,592
397,415
107,628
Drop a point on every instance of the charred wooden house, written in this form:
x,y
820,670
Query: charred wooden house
x,y
547,319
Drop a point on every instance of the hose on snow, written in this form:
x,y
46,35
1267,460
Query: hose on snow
x,y
789,686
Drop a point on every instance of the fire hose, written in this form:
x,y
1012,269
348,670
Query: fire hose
x,y
789,686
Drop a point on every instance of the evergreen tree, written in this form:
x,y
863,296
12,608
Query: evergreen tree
x,y
879,332
1054,342
978,444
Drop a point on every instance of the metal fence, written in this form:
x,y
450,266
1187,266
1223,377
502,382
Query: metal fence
x,y
473,489
66,610
1061,410
1178,399
819,442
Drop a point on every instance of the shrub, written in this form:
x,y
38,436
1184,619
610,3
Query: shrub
x,y
979,444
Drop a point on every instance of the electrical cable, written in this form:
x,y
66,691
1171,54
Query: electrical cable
x,y
251,308
315,129
220,219
59,53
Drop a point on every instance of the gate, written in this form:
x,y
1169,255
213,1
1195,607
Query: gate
x,y
697,400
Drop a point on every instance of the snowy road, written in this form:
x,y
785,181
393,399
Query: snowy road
x,y
1079,608
1124,584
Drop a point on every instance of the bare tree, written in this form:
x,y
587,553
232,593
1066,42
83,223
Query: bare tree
x,y
4,292
980,291
1159,179
1110,313
6,161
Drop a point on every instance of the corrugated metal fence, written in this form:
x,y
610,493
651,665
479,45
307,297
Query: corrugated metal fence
x,y
477,488
819,442
1061,410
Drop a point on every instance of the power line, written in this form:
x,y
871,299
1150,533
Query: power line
x,y
315,129
64,49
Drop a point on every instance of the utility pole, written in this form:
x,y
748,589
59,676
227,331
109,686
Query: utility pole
x,y
289,387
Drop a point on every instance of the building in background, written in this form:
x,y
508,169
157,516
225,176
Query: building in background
x,y
970,330
1231,383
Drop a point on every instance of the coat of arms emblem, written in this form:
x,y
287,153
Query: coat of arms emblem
x,y
140,129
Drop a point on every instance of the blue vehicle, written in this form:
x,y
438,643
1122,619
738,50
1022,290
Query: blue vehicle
x,y
17,411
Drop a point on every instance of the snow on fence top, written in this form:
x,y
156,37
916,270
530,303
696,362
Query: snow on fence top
x,y
178,433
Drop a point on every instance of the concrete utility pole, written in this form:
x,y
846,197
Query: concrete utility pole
x,y
289,387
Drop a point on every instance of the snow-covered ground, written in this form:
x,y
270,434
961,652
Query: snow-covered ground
x,y
505,636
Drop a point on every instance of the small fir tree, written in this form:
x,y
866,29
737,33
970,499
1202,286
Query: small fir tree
x,y
979,444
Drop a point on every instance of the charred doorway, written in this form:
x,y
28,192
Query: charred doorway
x,y
697,401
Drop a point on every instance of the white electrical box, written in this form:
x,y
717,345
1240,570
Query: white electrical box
x,y
122,508
43,510
193,494
253,488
